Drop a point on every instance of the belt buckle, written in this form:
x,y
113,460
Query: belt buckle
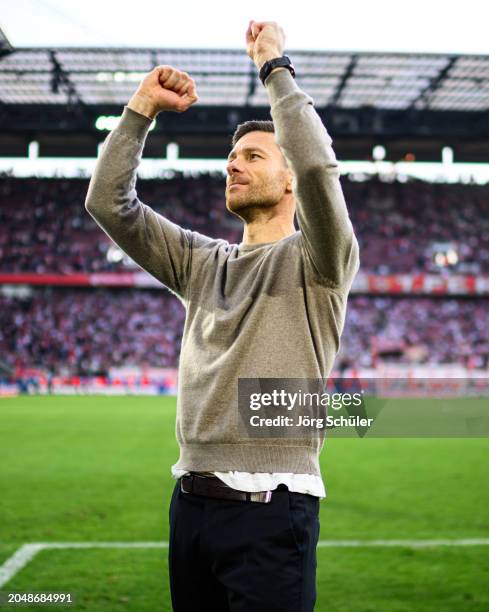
x,y
258,497
188,476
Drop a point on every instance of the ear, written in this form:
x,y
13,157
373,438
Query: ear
x,y
290,181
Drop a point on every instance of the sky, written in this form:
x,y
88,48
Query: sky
x,y
428,26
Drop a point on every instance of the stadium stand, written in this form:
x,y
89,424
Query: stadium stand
x,y
77,332
401,227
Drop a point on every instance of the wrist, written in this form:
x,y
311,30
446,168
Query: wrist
x,y
142,105
262,59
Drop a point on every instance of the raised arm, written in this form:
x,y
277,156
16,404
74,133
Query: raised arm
x,y
327,233
159,246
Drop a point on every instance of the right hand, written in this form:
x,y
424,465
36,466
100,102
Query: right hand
x,y
164,89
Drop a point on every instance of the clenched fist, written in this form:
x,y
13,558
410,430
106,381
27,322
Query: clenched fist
x,y
164,89
264,41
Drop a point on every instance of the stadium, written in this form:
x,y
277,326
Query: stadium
x,y
90,341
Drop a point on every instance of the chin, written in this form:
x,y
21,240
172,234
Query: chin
x,y
234,204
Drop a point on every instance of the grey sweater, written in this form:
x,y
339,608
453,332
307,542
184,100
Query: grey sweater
x,y
271,310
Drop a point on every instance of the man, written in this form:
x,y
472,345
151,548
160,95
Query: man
x,y
244,516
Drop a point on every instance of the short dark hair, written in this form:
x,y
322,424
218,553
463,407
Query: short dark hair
x,y
252,126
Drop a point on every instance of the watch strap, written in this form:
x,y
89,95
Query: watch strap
x,y
277,62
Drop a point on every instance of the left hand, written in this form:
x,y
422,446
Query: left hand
x,y
264,41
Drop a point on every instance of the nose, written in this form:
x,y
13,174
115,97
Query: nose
x,y
233,166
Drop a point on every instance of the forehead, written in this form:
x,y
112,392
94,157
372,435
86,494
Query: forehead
x,y
261,140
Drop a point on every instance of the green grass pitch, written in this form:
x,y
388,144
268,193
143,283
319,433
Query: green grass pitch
x,y
92,469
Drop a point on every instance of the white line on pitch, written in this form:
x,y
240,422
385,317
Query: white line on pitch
x,y
26,552
405,543
17,561
104,544
321,543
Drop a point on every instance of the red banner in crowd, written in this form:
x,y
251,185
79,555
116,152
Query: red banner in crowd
x,y
407,284
421,284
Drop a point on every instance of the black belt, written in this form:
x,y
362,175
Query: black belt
x,y
212,486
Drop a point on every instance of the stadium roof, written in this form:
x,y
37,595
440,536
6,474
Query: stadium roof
x,y
412,104
109,76
5,46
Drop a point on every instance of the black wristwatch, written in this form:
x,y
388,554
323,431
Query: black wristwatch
x,y
276,63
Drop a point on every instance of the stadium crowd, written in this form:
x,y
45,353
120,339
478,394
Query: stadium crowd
x,y
44,226
88,331
417,330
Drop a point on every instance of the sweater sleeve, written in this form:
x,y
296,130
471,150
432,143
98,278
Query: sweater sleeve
x,y
327,234
159,246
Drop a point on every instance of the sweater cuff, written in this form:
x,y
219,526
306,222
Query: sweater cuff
x,y
279,84
133,124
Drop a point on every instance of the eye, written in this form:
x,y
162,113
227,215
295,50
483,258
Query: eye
x,y
255,155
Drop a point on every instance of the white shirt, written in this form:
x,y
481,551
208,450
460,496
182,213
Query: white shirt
x,y
264,481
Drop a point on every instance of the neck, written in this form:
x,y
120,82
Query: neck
x,y
264,228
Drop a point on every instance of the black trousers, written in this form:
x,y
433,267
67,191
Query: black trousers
x,y
239,556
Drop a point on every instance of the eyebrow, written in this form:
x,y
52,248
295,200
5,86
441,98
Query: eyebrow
x,y
233,153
